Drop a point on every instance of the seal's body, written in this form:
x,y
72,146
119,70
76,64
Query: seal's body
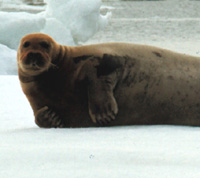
x,y
108,84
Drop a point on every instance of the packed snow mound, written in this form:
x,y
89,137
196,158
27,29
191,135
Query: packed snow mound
x,y
15,25
68,22
58,31
83,18
8,60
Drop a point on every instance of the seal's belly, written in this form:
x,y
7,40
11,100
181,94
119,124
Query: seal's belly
x,y
159,95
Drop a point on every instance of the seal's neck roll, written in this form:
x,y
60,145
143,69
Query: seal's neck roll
x,y
62,58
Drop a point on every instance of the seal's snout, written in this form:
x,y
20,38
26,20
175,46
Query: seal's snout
x,y
34,55
35,59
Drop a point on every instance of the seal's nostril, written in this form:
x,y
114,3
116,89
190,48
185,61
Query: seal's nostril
x,y
34,55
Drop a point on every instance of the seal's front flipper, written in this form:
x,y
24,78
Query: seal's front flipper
x,y
102,74
47,118
102,104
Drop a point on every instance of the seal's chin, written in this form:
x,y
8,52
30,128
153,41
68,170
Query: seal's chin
x,y
33,70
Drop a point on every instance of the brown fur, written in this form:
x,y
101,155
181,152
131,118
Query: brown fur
x,y
107,84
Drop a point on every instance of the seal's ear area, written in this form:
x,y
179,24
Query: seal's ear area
x,y
108,64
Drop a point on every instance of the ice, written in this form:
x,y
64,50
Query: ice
x,y
15,25
77,20
15,2
63,37
128,151
8,62
83,18
69,22
114,152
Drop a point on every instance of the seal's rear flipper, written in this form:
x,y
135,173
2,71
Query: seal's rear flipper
x,y
47,118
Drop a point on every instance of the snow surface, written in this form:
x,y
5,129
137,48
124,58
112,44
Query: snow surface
x,y
27,151
8,62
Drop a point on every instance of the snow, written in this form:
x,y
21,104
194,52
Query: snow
x,y
132,151
7,57
117,152
15,25
79,19
83,18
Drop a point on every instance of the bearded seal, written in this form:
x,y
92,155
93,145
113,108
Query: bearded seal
x,y
108,84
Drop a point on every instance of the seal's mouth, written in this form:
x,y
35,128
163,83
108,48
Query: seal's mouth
x,y
34,60
34,68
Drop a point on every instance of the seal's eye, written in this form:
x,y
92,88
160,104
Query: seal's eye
x,y
26,44
44,45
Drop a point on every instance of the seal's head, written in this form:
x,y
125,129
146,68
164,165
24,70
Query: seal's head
x,y
35,54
